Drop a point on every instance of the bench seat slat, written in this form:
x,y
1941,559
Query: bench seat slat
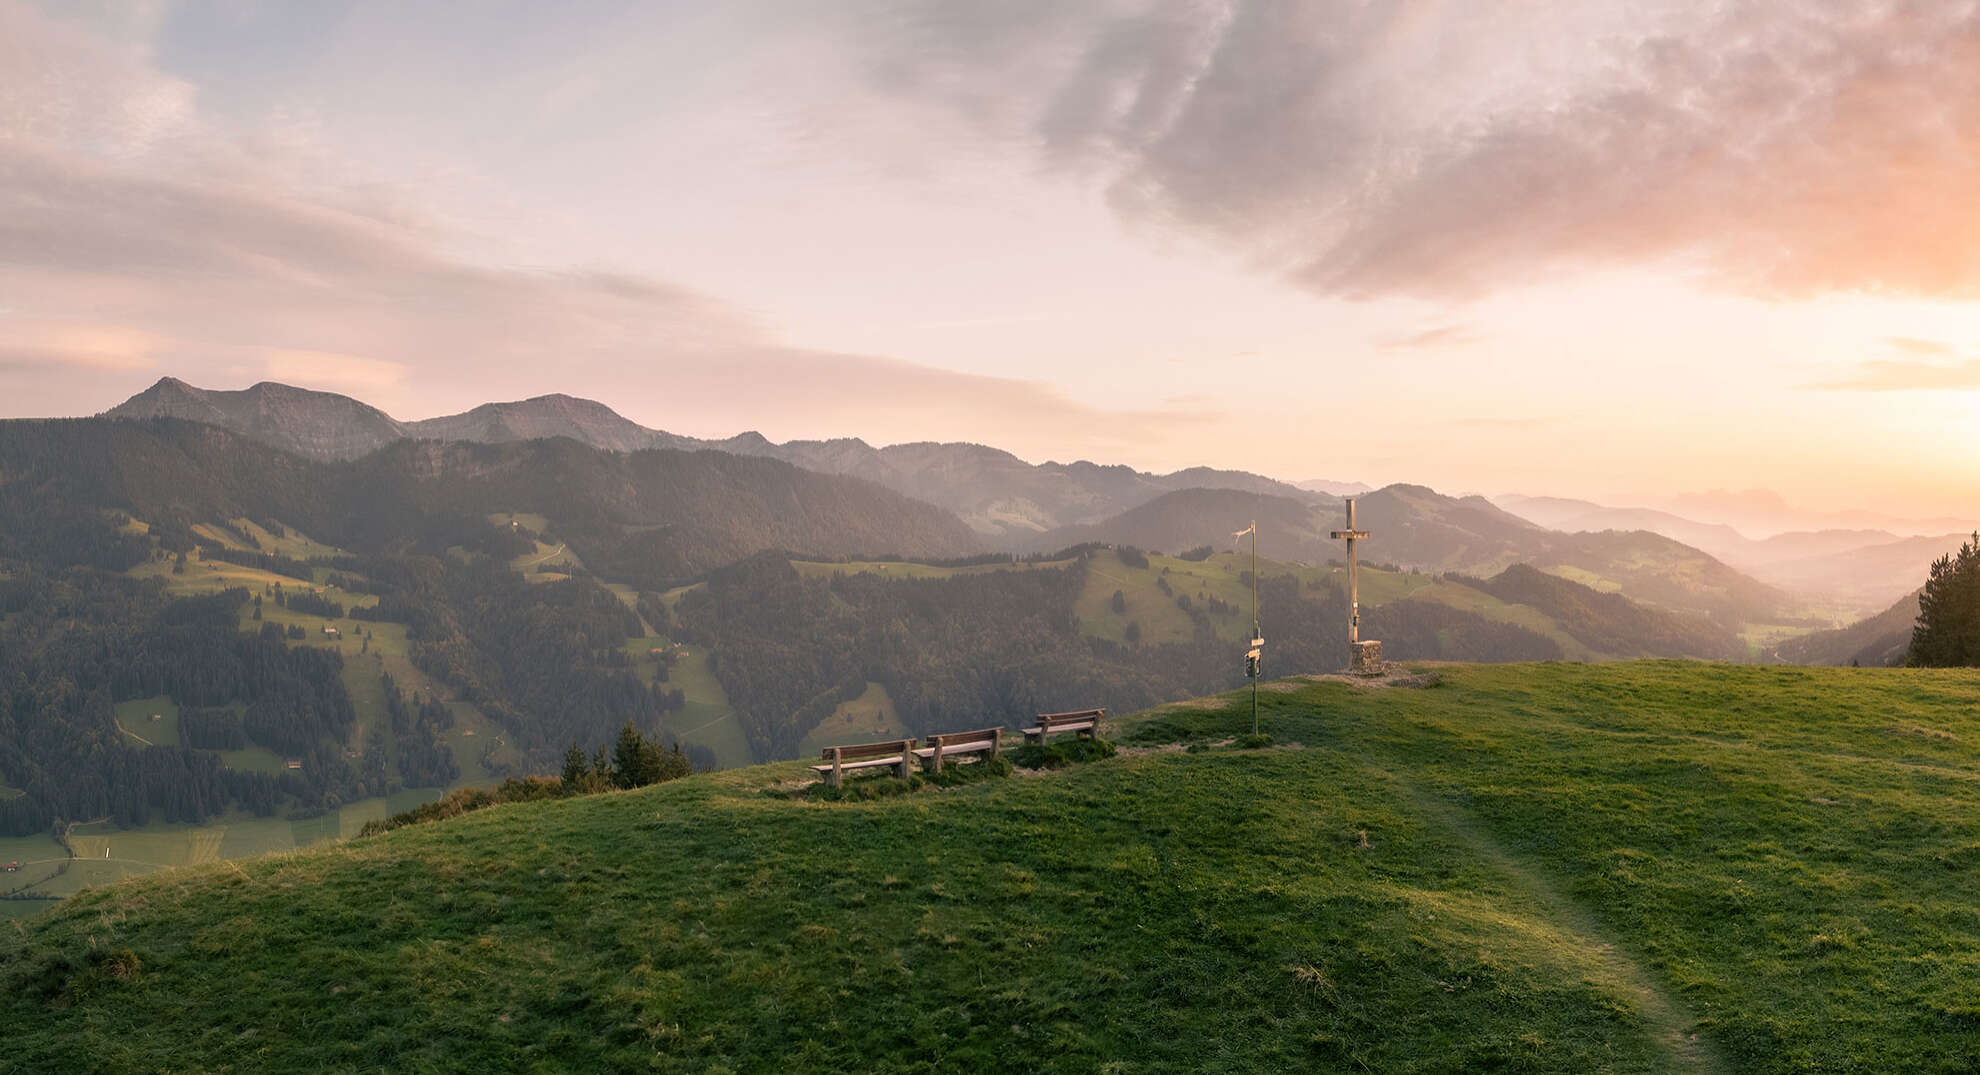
x,y
956,748
870,763
1078,727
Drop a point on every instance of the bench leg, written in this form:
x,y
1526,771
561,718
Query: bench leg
x,y
900,767
935,763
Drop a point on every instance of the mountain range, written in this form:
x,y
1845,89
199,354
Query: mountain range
x,y
1006,504
649,518
999,496
1421,529
1856,570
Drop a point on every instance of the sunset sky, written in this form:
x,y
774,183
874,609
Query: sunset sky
x,y
1617,250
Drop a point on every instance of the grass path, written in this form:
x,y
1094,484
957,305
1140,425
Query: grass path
x,y
1669,1021
558,551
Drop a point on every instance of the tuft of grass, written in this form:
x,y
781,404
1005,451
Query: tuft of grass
x,y
1062,753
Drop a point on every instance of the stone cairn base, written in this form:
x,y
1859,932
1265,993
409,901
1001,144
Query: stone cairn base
x,y
1365,659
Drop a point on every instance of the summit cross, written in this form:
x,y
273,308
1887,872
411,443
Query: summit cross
x,y
1364,658
1351,535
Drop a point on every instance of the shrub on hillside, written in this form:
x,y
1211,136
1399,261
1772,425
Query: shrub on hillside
x,y
1061,754
635,761
467,800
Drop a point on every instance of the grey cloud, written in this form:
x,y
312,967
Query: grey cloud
x,y
1437,149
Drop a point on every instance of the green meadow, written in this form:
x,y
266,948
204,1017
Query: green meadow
x,y
864,719
134,720
898,569
707,718
1649,866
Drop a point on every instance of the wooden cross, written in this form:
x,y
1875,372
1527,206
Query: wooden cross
x,y
1351,535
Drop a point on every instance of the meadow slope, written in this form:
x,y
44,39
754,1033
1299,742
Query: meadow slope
x,y
1653,866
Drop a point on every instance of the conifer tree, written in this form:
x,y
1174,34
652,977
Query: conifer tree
x,y
577,770
630,760
1948,631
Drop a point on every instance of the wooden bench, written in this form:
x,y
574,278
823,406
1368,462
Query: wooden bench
x,y
893,753
950,744
1085,721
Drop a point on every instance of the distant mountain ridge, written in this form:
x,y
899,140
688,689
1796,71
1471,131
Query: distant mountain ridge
x,y
999,496
651,518
1416,527
1861,569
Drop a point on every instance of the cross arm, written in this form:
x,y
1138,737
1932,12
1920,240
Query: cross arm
x,y
1350,534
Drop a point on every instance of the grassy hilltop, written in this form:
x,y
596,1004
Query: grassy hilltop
x,y
1655,866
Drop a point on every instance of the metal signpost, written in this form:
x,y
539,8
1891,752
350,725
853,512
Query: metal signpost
x,y
1253,658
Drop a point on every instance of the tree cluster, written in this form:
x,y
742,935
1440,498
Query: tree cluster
x,y
1948,631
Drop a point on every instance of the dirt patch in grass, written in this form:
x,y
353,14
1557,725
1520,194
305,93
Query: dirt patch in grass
x,y
1136,752
1211,704
1915,732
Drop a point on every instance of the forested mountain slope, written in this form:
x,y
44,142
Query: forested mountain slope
x,y
997,494
1875,642
646,517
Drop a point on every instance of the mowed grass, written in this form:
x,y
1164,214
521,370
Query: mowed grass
x,y
706,719
1587,578
896,569
866,718
1459,596
208,576
134,720
106,854
1161,619
1656,866
1158,615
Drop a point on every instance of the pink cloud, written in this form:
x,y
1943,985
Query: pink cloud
x,y
1445,150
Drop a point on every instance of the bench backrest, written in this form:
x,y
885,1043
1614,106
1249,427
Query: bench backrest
x,y
952,738
1048,721
868,750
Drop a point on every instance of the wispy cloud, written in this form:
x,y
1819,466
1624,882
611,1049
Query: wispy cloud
x,y
1430,339
1436,149
1912,345
1502,423
1902,375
